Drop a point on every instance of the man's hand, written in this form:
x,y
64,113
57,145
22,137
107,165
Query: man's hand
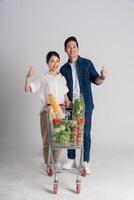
x,y
104,73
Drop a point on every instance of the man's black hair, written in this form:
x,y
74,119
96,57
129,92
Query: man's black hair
x,y
72,38
50,54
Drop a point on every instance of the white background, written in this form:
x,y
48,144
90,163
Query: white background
x,y
105,32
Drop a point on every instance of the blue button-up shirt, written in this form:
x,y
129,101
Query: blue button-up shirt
x,y
87,74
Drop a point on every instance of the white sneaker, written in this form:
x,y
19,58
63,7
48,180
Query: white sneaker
x,y
69,164
85,165
58,166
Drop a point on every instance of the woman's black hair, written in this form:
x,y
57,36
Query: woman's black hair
x,y
72,38
50,54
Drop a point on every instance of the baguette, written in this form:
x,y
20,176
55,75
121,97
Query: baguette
x,y
56,108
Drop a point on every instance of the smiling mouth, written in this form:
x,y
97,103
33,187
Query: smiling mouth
x,y
72,53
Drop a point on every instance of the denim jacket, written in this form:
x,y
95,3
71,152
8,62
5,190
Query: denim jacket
x,y
87,74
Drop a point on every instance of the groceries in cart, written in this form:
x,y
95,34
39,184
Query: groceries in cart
x,y
67,124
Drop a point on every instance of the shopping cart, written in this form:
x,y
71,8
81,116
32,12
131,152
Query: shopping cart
x,y
67,133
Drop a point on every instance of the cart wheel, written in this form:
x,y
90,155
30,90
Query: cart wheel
x,y
78,188
55,189
83,172
49,171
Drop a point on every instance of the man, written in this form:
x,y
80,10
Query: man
x,y
80,73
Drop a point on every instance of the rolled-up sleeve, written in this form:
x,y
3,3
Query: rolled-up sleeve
x,y
35,85
93,73
66,90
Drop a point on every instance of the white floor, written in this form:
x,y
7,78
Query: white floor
x,y
112,177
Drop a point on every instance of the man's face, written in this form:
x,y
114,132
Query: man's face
x,y
53,64
72,50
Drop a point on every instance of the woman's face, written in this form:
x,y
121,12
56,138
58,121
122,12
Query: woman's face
x,y
53,64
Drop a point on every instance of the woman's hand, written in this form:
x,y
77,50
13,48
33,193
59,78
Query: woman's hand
x,y
30,73
68,103
28,80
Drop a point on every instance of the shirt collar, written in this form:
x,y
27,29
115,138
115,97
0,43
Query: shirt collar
x,y
78,60
53,75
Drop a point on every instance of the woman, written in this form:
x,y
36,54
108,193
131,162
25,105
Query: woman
x,y
54,83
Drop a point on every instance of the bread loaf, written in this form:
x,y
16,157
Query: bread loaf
x,y
56,108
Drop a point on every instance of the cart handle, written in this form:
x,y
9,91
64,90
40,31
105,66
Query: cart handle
x,y
55,104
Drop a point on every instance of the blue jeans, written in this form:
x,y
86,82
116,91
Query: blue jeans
x,y
87,139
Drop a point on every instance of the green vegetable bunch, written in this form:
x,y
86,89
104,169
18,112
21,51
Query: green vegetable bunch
x,y
78,109
62,132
